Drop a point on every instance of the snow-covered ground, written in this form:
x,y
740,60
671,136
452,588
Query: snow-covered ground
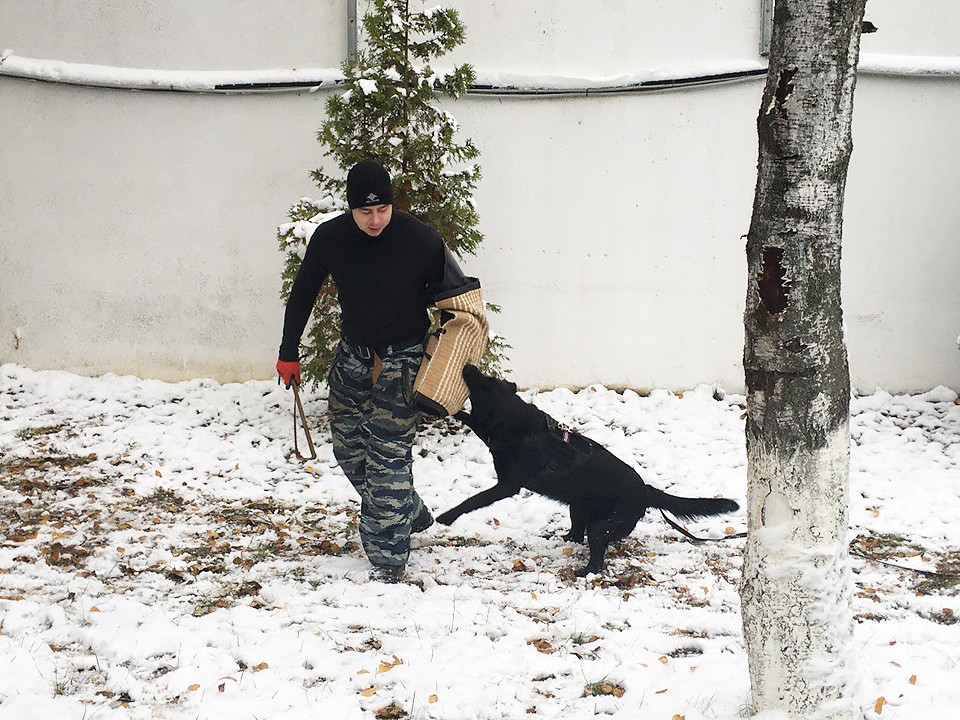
x,y
162,555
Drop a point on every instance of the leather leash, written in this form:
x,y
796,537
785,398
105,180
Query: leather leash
x,y
863,556
298,407
687,534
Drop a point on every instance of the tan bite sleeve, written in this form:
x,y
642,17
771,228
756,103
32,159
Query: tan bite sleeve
x,y
462,339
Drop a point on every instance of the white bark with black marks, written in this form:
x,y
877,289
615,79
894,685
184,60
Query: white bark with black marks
x,y
796,584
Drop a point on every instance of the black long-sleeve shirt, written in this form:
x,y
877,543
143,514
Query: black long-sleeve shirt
x,y
381,281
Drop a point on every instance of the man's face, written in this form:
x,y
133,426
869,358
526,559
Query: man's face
x,y
372,220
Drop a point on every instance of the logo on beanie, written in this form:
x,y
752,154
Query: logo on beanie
x,y
373,198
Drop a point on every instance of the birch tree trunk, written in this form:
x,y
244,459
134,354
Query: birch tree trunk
x,y
795,590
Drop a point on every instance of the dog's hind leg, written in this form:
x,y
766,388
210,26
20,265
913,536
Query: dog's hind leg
x,y
578,522
481,499
598,543
601,531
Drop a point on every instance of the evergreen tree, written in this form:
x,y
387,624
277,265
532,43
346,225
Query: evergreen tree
x,y
388,113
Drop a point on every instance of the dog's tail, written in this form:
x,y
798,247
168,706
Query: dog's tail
x,y
691,508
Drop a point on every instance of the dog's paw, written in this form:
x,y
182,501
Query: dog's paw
x,y
587,570
445,518
573,537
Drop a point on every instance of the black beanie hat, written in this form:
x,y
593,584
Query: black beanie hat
x,y
368,183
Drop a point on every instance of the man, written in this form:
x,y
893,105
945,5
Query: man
x,y
384,264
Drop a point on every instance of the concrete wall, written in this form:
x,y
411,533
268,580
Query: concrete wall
x,y
137,228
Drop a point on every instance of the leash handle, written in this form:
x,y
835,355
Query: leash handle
x,y
298,407
687,534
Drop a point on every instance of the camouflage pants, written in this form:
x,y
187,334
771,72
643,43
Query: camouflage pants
x,y
373,426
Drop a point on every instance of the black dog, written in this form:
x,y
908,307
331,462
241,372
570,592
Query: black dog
x,y
530,449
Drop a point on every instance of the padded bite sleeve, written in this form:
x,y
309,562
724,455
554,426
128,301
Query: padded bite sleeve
x,y
460,339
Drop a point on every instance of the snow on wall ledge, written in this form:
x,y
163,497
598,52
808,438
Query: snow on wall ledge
x,y
153,79
280,79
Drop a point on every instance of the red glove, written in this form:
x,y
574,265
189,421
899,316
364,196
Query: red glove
x,y
289,371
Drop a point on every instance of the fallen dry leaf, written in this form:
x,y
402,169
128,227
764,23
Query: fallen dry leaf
x,y
878,705
518,566
913,679
542,645
194,687
261,666
567,552
391,712
678,717
432,699
23,537
369,691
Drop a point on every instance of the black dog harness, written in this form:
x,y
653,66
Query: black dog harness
x,y
565,449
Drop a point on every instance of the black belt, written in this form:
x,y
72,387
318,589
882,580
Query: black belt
x,y
382,351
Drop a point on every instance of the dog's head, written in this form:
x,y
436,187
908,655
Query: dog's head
x,y
494,403
480,384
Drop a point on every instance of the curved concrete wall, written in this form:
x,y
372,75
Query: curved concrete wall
x,y
137,228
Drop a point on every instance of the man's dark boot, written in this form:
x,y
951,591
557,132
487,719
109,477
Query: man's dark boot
x,y
390,574
422,521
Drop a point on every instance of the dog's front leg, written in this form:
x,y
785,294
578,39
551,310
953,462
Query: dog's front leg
x,y
481,499
467,419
